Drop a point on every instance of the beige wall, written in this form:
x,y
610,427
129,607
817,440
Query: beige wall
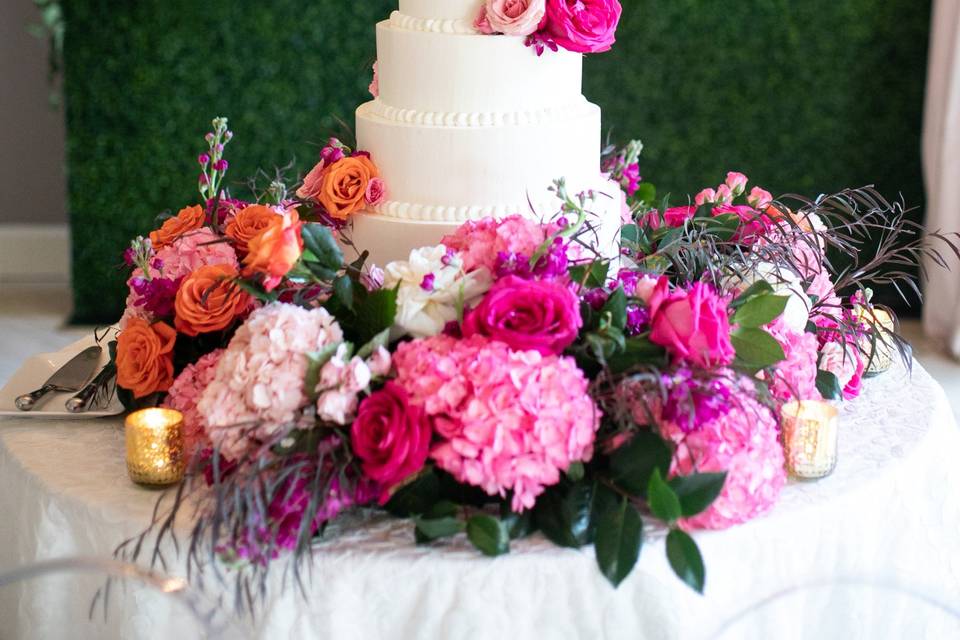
x,y
32,174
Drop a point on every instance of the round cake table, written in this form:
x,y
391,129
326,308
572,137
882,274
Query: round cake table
x,y
890,511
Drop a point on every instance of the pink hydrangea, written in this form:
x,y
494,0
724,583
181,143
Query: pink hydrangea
x,y
184,395
796,376
743,442
480,242
507,420
258,389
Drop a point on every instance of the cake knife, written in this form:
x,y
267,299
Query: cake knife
x,y
69,378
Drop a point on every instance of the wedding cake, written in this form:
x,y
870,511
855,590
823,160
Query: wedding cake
x,y
467,126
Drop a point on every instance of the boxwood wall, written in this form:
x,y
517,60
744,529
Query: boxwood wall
x,y
802,96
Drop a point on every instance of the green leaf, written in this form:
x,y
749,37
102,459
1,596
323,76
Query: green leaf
x,y
382,339
343,291
633,464
629,234
756,348
416,497
563,513
375,314
429,529
323,247
646,193
519,525
619,534
575,471
616,306
697,492
663,502
637,351
685,559
592,275
829,385
489,535
760,310
760,287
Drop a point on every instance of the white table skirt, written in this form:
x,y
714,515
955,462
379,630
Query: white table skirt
x,y
890,511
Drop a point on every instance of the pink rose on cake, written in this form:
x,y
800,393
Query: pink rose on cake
x,y
584,26
511,17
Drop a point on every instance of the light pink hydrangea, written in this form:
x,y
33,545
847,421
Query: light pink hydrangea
x,y
796,376
743,442
258,389
184,395
508,420
342,378
480,242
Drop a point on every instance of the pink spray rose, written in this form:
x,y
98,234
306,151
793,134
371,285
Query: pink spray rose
x,y
511,17
737,182
391,437
375,83
376,191
694,326
528,315
584,26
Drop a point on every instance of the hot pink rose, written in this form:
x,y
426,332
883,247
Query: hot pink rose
x,y
527,315
391,437
694,326
677,216
752,222
511,17
376,191
585,26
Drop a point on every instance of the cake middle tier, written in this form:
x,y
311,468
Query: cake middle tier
x,y
449,166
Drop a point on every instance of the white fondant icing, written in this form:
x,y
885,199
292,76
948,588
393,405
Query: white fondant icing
x,y
466,10
431,25
438,72
480,166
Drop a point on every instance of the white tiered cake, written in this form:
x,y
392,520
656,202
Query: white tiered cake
x,y
468,126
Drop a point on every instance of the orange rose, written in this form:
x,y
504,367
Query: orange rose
x,y
345,186
274,252
189,219
247,223
145,357
209,300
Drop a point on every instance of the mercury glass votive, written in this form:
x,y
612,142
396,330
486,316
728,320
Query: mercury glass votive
x,y
155,455
885,324
810,438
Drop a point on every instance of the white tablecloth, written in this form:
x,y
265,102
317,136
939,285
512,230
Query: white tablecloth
x,y
890,511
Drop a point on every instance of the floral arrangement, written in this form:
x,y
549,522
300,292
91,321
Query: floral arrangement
x,y
583,26
507,380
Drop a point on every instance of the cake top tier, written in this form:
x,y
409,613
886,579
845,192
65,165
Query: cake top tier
x,y
442,9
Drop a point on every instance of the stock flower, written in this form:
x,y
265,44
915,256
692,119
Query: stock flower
x,y
344,187
391,437
742,441
585,26
184,395
258,389
511,17
275,250
507,420
431,286
145,357
248,223
209,300
189,219
694,326
538,315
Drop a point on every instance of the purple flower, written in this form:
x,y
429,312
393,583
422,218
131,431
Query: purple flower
x,y
204,159
691,402
637,319
331,154
427,284
596,298
631,178
221,165
541,41
129,256
156,295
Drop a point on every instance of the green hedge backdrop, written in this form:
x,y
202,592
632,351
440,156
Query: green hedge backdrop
x,y
804,96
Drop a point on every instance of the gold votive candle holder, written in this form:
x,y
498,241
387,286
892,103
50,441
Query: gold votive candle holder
x,y
810,435
883,325
155,447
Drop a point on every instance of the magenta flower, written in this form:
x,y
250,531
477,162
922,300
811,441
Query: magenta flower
x,y
693,325
584,26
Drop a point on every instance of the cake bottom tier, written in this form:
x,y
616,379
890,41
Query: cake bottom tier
x,y
389,238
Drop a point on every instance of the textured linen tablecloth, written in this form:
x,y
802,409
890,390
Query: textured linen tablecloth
x,y
891,510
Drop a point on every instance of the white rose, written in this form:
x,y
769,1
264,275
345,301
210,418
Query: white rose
x,y
431,287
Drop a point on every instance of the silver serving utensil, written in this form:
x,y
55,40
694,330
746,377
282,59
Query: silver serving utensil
x,y
83,401
69,378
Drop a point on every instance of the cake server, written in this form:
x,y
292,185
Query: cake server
x,y
84,400
69,378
